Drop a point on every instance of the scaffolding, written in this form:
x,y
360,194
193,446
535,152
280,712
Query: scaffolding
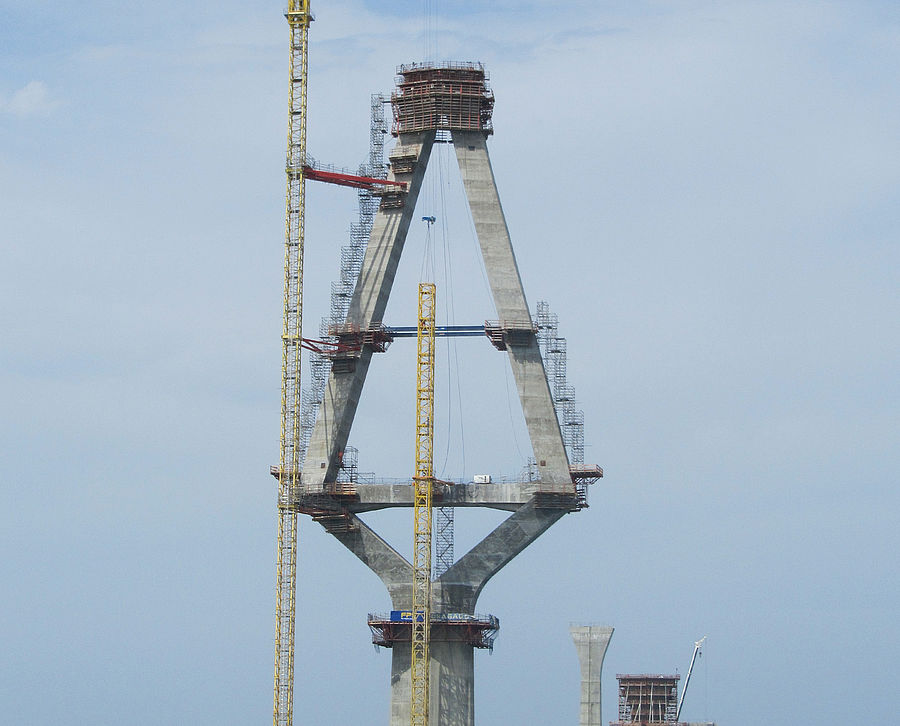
x,y
530,472
554,351
647,699
444,527
349,476
571,419
332,325
443,96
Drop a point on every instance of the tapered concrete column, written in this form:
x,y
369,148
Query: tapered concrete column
x,y
591,642
452,684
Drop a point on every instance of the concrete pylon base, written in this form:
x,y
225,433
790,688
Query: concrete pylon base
x,y
452,687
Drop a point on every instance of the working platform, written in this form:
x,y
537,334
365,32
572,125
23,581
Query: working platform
x,y
358,497
648,698
479,631
449,96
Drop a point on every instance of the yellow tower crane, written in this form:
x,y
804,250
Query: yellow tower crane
x,y
423,483
299,17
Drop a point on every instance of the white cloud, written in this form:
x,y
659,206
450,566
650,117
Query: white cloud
x,y
33,99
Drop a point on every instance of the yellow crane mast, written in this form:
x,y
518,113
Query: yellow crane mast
x,y
299,17
423,483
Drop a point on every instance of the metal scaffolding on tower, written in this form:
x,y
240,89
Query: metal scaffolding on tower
x,y
444,537
342,289
554,351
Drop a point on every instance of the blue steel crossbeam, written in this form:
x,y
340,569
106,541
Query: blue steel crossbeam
x,y
440,331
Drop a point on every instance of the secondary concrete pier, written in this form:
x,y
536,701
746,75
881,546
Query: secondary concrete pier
x,y
591,642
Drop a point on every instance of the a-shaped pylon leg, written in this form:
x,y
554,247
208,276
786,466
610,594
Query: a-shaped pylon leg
x,y
512,309
376,278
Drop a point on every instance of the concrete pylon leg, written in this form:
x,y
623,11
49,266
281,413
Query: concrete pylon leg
x,y
457,590
394,570
591,642
512,308
389,230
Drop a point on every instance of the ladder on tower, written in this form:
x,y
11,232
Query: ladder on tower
x,y
423,482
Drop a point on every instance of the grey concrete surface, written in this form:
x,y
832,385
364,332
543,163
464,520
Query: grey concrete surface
x,y
507,496
335,417
591,642
512,307
457,590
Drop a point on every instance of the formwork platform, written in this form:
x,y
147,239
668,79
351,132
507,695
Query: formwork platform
x,y
448,96
479,631
647,699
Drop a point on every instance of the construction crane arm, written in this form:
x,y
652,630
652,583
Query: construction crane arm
x,y
697,648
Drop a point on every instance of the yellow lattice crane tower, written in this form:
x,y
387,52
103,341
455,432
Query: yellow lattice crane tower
x,y
299,17
423,486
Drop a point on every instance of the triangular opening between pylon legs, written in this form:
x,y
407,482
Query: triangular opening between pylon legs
x,y
513,331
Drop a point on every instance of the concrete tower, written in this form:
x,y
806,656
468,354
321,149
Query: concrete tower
x,y
591,642
452,99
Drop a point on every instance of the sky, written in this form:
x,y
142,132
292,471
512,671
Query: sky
x,y
706,193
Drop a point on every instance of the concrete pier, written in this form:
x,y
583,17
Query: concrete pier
x,y
591,642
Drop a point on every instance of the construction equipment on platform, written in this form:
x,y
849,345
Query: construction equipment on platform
x,y
687,679
314,171
423,483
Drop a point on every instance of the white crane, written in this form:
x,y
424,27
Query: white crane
x,y
687,679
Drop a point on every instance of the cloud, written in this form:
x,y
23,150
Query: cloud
x,y
33,99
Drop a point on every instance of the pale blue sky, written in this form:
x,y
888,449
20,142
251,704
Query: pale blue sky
x,y
707,194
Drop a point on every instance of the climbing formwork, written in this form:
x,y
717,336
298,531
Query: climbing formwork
x,y
449,96
647,699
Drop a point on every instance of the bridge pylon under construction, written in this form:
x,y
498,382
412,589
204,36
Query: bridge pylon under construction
x,y
455,101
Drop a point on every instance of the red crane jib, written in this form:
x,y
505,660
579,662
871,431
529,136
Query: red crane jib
x,y
351,180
